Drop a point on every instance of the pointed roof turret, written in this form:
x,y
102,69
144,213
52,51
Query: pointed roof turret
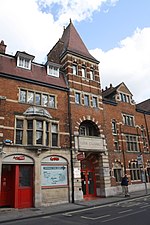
x,y
73,42
70,42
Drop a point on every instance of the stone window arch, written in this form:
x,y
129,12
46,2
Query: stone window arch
x,y
88,128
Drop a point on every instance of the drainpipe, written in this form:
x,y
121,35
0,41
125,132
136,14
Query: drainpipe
x,y
71,153
70,134
147,129
123,153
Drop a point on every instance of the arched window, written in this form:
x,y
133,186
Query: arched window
x,y
88,128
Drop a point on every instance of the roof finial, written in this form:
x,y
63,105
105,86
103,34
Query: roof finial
x,y
70,20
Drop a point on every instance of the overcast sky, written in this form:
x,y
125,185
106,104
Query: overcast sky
x,y
116,32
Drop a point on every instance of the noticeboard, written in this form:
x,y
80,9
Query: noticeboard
x,y
53,175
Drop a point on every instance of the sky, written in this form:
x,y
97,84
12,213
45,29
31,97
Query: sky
x,y
116,32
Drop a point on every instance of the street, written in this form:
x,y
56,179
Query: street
x,y
129,212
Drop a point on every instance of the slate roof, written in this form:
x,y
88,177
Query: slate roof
x,y
109,93
144,106
38,73
70,42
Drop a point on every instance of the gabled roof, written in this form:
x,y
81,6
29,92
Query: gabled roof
x,y
24,55
144,106
71,42
126,90
111,91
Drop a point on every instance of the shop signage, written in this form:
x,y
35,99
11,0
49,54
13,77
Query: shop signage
x,y
140,160
89,144
80,156
77,173
54,159
18,158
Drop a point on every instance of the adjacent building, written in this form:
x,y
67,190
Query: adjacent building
x,y
62,138
127,129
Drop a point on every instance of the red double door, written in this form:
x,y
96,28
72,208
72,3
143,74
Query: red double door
x,y
17,186
88,179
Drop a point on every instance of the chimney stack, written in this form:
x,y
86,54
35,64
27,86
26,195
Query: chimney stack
x,y
2,47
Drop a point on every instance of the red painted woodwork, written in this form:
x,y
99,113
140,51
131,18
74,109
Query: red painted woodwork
x,y
17,186
25,189
88,179
7,186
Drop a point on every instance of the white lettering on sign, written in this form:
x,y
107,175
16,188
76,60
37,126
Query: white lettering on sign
x,y
18,159
54,158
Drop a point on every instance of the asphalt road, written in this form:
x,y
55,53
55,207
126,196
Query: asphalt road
x,y
129,212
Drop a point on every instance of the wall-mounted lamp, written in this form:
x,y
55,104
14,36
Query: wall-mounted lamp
x,y
7,142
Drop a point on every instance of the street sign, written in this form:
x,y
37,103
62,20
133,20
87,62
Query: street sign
x,y
80,156
140,160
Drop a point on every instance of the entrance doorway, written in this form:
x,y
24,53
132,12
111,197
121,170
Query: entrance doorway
x,y
88,179
16,186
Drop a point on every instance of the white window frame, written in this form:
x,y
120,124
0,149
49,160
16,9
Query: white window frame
x,y
95,101
24,63
24,60
92,77
118,171
128,120
25,94
74,69
77,98
46,131
83,70
54,132
134,171
86,100
53,70
132,143
124,97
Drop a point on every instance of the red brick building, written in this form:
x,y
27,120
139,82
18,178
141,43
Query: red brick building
x,y
127,129
34,132
62,138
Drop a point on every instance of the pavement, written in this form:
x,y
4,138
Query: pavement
x,y
11,214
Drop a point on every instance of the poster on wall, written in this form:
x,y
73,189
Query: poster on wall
x,y
54,175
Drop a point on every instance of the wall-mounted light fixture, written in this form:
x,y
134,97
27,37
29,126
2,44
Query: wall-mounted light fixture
x,y
7,142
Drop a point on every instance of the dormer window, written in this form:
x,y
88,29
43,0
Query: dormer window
x,y
53,70
124,97
24,60
24,63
